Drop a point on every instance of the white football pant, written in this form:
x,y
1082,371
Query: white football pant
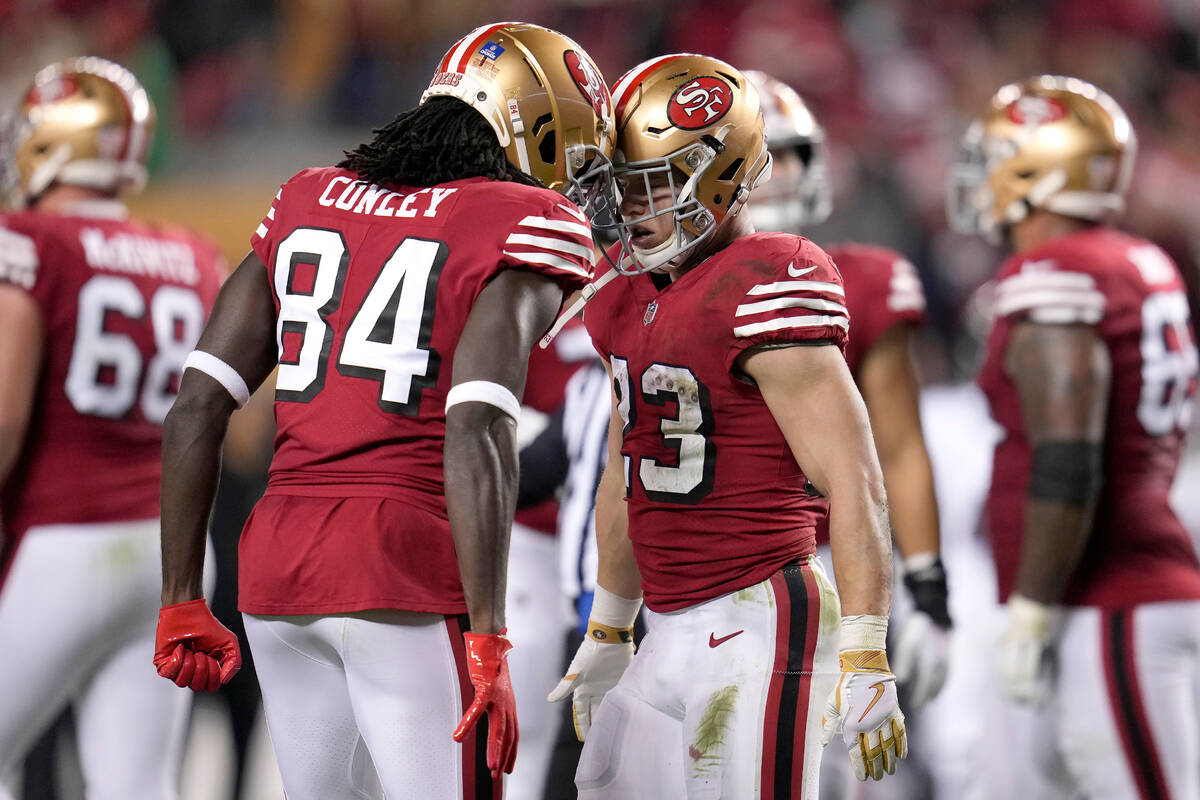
x,y
1123,720
538,617
77,621
723,699
363,704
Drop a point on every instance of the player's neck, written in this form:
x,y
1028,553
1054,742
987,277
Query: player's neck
x,y
1042,226
731,229
59,198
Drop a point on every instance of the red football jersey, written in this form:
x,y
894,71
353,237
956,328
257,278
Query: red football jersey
x,y
1132,293
716,501
882,291
122,304
373,286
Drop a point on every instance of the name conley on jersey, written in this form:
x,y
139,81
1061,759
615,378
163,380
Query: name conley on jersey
x,y
360,197
156,258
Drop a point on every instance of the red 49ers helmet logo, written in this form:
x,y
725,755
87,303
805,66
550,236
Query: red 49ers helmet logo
x,y
699,103
1033,110
590,84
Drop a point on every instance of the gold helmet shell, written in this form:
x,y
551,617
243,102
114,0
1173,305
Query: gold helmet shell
x,y
541,93
1049,142
698,118
790,202
83,122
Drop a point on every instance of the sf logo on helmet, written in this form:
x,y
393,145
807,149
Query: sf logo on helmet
x,y
1033,110
699,103
590,84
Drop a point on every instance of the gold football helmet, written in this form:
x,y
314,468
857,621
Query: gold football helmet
x,y
83,122
1049,142
798,192
541,93
695,120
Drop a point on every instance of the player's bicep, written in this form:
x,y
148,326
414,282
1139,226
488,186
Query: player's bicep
x,y
508,317
241,330
820,412
1063,375
889,385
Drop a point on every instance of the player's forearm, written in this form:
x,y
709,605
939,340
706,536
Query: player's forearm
x,y
617,570
1054,540
192,436
911,501
481,490
861,544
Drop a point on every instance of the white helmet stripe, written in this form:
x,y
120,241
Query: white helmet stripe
x,y
634,76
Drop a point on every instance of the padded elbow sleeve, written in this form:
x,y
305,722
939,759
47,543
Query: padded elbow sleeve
x,y
1067,472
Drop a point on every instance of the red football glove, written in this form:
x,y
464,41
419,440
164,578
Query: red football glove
x,y
193,649
488,666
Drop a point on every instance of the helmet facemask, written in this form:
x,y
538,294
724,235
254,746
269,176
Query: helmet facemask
x,y
692,223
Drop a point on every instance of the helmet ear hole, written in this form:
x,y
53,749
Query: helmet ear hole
x,y
547,148
729,172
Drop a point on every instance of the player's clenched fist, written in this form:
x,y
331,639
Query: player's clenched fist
x,y
194,650
863,707
487,664
602,658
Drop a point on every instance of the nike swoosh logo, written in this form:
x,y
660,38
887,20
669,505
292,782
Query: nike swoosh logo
x,y
796,273
878,687
713,641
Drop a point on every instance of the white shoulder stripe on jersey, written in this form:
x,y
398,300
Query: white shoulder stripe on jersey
x,y
494,394
221,372
815,303
559,225
261,231
1092,302
550,260
796,286
906,301
1064,315
550,243
271,212
905,281
781,323
1047,280
574,212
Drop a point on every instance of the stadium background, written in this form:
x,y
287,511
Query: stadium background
x,y
250,91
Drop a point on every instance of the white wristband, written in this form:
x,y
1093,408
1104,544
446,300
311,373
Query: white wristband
x,y
862,632
220,372
613,610
484,392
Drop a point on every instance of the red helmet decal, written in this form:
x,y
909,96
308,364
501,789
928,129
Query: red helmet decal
x,y
699,103
588,79
1036,109
52,91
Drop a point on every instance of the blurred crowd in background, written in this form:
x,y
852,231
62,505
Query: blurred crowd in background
x,y
250,91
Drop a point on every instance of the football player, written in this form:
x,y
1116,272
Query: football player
x,y
399,295
97,313
734,417
885,301
1090,370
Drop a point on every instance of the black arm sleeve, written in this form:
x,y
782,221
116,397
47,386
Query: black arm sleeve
x,y
543,464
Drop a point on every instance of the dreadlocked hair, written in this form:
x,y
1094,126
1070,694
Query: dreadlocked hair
x,y
439,141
